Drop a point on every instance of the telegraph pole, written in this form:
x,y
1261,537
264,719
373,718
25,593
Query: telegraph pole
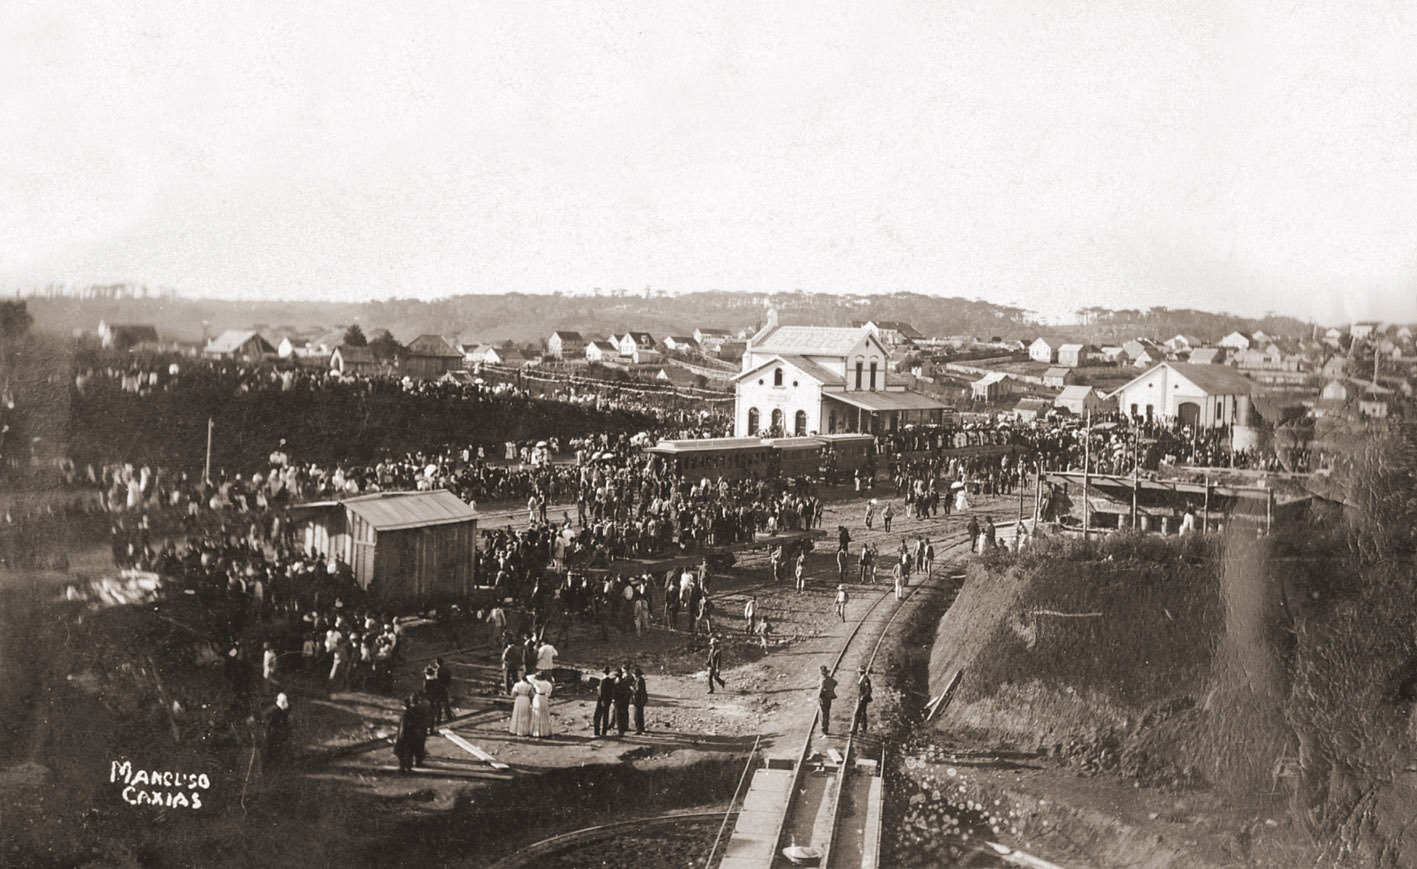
x,y
207,472
1086,478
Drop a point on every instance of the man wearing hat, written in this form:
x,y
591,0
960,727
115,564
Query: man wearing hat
x,y
826,693
624,693
841,602
863,699
604,699
715,664
639,696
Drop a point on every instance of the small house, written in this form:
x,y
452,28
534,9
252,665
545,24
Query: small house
x,y
347,360
429,357
400,545
565,344
1058,376
601,351
1081,400
991,387
240,345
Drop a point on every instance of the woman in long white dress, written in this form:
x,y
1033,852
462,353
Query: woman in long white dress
x,y
522,693
540,707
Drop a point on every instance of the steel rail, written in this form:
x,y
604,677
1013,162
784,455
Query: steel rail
x,y
954,541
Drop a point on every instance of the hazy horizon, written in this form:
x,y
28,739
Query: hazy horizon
x,y
1227,157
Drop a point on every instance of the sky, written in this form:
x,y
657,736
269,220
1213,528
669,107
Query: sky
x,y
1246,156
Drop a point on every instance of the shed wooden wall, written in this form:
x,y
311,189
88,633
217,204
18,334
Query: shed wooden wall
x,y
420,562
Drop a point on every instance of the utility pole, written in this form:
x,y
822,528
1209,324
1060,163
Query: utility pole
x,y
1086,478
207,472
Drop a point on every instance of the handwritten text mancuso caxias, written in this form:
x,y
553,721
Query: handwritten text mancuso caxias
x,y
163,788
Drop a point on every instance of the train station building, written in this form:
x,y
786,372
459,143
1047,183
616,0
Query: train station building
x,y
801,380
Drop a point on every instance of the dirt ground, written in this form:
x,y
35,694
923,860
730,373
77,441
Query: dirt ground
x,y
345,798
345,803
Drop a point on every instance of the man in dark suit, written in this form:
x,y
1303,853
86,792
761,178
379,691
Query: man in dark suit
x,y
445,691
511,665
624,691
604,698
863,699
715,664
639,697
278,731
826,693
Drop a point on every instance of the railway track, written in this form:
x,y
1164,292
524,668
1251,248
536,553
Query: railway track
x,y
834,803
826,797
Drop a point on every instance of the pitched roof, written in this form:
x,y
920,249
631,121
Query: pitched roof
x,y
904,329
432,345
1204,355
351,353
233,339
567,335
676,376
991,377
1212,379
820,373
810,340
394,511
1058,371
1074,393
603,346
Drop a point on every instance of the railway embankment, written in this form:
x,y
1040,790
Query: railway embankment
x,y
1177,702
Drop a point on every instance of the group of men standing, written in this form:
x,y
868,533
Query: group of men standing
x,y
826,693
530,655
618,691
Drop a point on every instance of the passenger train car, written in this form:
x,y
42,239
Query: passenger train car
x,y
832,457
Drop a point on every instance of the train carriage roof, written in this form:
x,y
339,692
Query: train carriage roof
x,y
704,445
795,443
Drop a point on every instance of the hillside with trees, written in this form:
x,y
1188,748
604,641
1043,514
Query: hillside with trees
x,y
523,318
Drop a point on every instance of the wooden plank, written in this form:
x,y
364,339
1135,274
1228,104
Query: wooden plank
x,y
472,749
835,756
939,703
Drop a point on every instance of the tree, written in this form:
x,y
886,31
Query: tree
x,y
386,349
354,336
15,320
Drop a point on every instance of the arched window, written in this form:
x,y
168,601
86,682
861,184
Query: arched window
x,y
752,421
777,377
776,422
873,373
801,423
859,366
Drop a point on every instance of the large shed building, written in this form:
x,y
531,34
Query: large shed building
x,y
400,544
